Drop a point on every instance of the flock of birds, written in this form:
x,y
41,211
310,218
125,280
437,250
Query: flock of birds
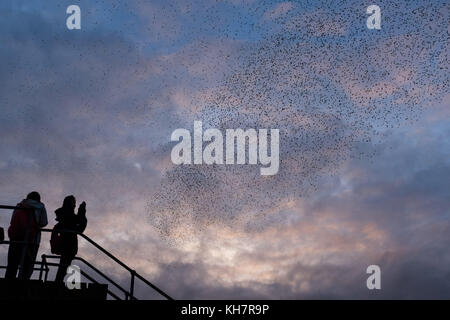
x,y
329,84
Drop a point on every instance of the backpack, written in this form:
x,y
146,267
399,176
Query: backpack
x,y
56,241
20,221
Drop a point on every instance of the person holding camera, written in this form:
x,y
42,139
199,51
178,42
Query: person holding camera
x,y
67,242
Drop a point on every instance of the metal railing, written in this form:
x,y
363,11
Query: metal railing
x,y
44,268
44,264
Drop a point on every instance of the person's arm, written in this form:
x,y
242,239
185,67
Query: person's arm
x,y
82,224
81,218
43,221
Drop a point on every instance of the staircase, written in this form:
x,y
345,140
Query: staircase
x,y
42,290
93,290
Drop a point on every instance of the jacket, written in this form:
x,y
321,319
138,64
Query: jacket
x,y
68,220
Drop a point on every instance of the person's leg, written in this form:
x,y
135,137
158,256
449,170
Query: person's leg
x,y
29,261
64,263
14,254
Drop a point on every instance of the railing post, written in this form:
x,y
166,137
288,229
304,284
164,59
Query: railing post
x,y
132,284
44,261
42,267
47,269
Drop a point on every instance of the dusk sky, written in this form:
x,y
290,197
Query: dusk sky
x,y
364,151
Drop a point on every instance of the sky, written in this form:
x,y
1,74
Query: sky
x,y
364,150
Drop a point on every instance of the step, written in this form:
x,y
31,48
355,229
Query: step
x,y
40,290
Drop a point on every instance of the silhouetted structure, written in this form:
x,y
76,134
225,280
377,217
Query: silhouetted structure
x,y
41,290
44,289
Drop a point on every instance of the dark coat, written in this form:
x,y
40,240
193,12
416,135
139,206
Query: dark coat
x,y
68,220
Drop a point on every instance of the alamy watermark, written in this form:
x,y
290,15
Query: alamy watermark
x,y
374,280
73,22
235,140
73,280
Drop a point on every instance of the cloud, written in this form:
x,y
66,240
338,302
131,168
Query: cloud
x,y
91,114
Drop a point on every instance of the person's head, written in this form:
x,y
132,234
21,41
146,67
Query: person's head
x,y
34,196
70,202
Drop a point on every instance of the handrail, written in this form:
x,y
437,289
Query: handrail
x,y
46,264
82,272
94,244
95,269
116,260
133,272
11,207
112,294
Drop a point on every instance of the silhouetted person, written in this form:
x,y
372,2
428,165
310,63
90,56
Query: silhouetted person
x,y
68,220
20,221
